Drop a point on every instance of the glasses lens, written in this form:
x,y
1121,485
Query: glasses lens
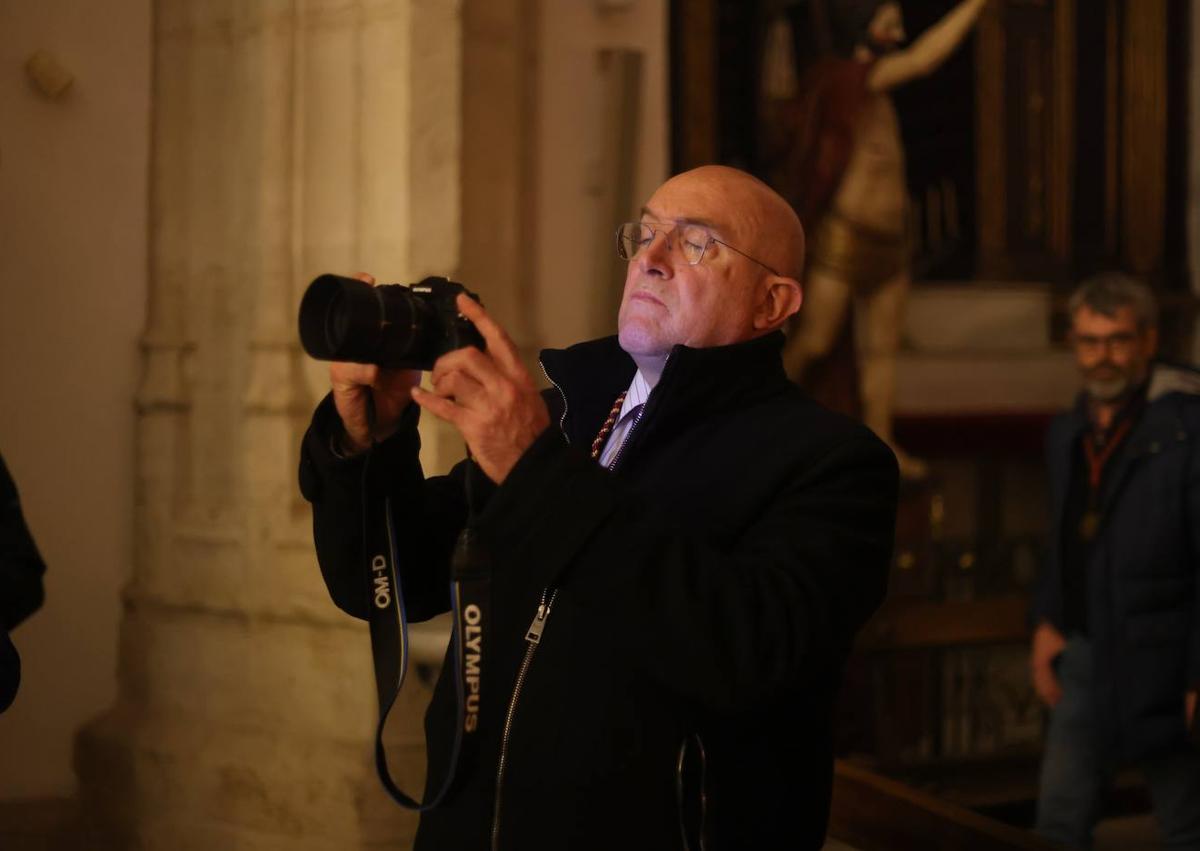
x,y
632,237
693,239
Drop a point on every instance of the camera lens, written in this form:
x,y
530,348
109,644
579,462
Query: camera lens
x,y
394,326
337,322
344,319
340,319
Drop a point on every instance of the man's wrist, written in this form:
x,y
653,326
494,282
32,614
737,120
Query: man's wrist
x,y
343,447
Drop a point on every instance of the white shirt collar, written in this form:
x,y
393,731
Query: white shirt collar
x,y
637,394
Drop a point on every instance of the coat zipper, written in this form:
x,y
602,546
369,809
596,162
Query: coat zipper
x,y
533,636
612,466
562,421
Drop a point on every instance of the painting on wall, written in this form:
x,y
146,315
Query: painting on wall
x,y
1050,145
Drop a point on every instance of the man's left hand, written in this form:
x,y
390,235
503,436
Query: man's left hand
x,y
488,396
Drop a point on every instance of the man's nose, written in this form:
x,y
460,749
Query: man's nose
x,y
656,257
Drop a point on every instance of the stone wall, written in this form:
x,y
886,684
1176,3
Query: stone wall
x,y
73,235
289,139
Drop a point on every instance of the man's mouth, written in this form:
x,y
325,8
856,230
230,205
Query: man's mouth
x,y
643,295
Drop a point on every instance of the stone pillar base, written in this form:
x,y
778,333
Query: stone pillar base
x,y
152,784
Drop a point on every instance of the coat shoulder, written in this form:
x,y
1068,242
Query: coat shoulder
x,y
816,431
1177,380
1176,389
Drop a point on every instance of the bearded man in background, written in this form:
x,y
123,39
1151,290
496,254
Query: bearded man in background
x,y
1116,646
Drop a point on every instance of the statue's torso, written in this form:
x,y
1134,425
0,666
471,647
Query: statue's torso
x,y
873,189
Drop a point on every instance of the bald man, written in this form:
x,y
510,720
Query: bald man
x,y
682,544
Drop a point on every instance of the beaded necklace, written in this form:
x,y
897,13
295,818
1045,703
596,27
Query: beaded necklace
x,y
607,428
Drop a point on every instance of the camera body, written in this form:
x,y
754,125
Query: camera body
x,y
396,326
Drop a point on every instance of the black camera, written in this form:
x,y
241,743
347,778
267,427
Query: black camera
x,y
393,325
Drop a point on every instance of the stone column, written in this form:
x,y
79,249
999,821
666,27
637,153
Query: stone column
x,y
290,137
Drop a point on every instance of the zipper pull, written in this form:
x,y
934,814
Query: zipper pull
x,y
534,634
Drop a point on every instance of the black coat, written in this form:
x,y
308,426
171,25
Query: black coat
x,y
1143,607
21,572
712,584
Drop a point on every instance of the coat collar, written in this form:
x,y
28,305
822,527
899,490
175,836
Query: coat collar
x,y
1159,426
694,382
1164,382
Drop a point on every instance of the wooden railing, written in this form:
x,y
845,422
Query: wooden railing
x,y
904,624
874,813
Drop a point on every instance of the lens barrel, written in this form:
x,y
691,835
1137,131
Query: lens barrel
x,y
344,319
394,325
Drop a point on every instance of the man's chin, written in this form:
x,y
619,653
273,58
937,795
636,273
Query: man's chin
x,y
639,340
1107,389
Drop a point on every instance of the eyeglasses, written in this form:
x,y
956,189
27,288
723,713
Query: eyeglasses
x,y
1120,341
693,240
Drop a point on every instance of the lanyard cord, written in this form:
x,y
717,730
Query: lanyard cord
x,y
1096,461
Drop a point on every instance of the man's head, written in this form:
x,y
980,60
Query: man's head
x,y
877,25
1114,329
746,282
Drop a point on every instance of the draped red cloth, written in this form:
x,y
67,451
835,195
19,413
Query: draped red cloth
x,y
818,129
823,119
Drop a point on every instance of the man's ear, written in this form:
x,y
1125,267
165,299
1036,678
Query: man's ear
x,y
781,298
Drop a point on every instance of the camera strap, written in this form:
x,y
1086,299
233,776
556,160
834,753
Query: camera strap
x,y
470,598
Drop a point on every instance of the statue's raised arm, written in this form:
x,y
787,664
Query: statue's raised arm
x,y
833,148
927,53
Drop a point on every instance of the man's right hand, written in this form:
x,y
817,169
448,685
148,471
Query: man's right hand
x,y
1048,643
358,386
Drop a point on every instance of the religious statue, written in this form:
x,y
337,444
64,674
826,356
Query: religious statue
x,y
833,147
